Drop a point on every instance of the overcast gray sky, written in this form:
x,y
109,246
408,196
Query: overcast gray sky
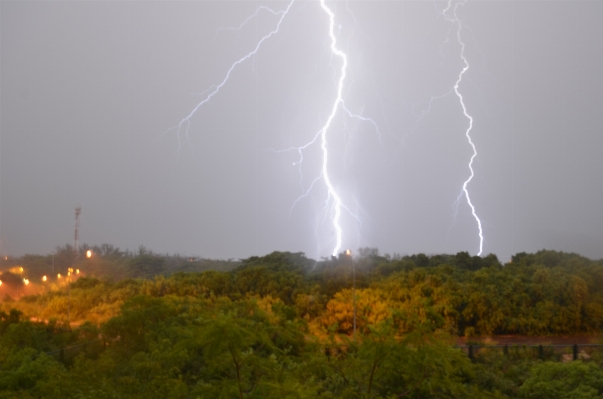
x,y
89,91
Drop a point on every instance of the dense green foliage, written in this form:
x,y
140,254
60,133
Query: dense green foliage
x,y
283,326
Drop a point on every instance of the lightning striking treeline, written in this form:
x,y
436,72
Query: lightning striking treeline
x,y
325,173
333,203
450,13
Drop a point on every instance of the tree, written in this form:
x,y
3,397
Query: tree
x,y
563,380
146,264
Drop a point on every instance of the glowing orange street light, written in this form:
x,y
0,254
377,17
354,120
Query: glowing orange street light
x,y
0,282
26,281
44,278
77,271
59,275
88,254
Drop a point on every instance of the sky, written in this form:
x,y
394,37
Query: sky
x,y
97,101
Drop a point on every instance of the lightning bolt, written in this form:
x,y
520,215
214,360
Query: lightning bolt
x,y
333,198
455,20
333,204
325,174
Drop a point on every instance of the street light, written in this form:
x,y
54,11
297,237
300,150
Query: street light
x,y
44,285
88,254
26,283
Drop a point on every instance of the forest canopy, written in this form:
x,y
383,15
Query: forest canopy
x,y
363,325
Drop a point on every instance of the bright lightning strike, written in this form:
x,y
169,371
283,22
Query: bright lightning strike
x,y
333,204
325,174
455,19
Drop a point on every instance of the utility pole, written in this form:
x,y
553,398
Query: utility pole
x,y
349,253
354,278
78,210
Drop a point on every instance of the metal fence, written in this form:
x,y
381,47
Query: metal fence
x,y
577,351
564,352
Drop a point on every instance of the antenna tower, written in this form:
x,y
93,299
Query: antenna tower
x,y
78,210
